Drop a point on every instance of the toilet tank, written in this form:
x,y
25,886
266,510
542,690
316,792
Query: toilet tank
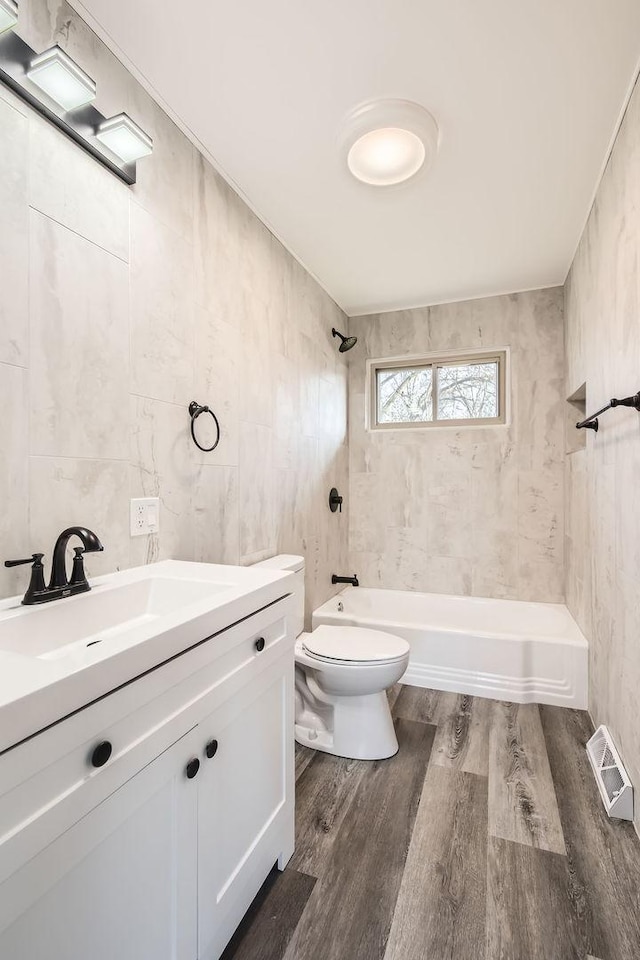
x,y
295,565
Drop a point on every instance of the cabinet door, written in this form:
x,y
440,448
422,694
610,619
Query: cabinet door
x,y
118,885
245,802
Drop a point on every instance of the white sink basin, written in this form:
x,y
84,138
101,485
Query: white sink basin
x,y
57,657
60,628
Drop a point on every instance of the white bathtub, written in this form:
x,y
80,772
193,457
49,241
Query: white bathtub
x,y
506,649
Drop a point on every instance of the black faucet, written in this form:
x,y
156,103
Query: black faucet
x,y
352,580
59,587
91,544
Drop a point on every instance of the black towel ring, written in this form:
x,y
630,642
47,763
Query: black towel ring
x,y
195,410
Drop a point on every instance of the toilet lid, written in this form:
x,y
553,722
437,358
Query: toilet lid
x,y
354,643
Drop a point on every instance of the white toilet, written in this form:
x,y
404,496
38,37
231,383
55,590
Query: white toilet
x,y
342,675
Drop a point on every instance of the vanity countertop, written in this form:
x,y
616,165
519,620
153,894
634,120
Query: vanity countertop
x,y
56,658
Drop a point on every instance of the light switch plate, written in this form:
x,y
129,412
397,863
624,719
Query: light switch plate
x,y
144,516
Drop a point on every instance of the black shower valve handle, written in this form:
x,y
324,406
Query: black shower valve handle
x,y
335,500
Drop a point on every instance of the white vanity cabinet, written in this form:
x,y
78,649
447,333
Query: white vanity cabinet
x,y
156,854
244,791
119,883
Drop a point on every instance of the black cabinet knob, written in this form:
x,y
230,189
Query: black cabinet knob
x,y
101,754
211,748
260,644
192,768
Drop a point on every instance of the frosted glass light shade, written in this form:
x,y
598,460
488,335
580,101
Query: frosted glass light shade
x,y
386,156
125,138
385,142
8,15
62,79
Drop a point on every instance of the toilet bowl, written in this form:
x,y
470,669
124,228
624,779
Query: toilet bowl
x,y
342,676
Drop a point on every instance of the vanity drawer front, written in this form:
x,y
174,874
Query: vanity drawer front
x,y
49,782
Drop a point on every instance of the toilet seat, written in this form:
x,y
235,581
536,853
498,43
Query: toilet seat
x,y
354,645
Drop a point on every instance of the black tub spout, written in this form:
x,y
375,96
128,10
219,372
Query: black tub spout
x,y
352,580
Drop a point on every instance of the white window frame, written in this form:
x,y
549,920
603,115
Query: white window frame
x,y
501,355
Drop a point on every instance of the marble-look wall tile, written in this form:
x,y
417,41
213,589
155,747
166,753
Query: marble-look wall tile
x,y
258,520
300,494
14,490
164,184
218,375
309,401
368,565
79,353
142,300
603,519
406,552
162,311
257,394
540,517
452,575
69,186
495,509
540,350
286,413
539,407
468,510
448,519
89,493
163,465
332,404
217,515
14,236
213,228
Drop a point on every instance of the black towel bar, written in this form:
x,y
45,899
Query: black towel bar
x,y
591,423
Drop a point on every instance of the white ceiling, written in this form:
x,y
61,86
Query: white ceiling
x,y
527,96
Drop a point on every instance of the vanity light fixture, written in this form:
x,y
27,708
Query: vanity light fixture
x,y
59,90
125,138
62,79
8,15
389,141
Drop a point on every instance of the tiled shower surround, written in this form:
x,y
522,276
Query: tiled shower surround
x,y
118,307
476,510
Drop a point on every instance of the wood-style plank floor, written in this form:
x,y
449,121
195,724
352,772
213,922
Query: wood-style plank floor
x,y
484,838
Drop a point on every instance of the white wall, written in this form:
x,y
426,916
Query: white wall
x,y
603,516
475,510
120,305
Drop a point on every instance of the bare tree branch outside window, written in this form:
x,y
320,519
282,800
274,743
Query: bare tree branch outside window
x,y
468,391
404,396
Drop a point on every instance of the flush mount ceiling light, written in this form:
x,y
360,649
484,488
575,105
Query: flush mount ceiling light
x,y
62,79
389,141
8,15
125,138
386,156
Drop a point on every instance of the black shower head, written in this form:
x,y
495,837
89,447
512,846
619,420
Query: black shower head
x,y
347,342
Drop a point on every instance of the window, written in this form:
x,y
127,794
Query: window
x,y
438,391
